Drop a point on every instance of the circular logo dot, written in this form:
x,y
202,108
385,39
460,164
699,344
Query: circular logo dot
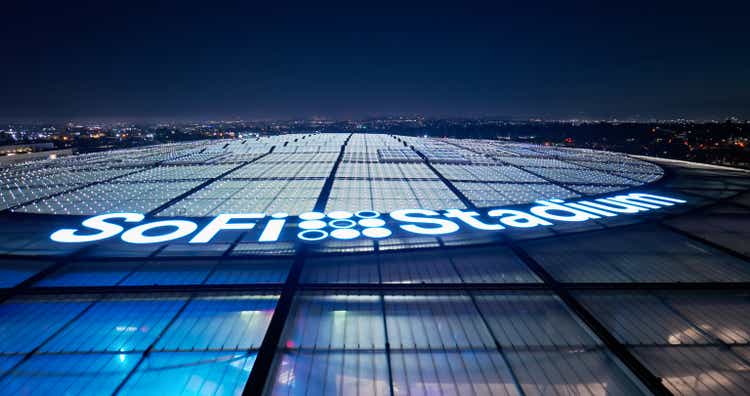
x,y
340,214
371,222
312,235
312,216
342,223
344,233
376,232
312,225
367,214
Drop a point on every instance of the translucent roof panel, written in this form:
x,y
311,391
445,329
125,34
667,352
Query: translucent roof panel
x,y
266,174
637,254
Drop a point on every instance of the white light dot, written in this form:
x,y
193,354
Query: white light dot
x,y
376,232
312,216
371,223
344,233
312,225
368,214
312,235
340,214
342,223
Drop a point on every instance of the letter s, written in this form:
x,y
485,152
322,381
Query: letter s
x,y
99,223
444,226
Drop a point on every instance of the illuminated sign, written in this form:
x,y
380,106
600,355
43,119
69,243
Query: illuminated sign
x,y
342,225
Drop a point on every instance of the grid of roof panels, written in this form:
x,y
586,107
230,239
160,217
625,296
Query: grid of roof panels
x,y
641,309
286,173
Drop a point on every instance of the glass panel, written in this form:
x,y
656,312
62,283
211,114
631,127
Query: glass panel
x,y
637,254
249,271
183,272
451,373
28,322
89,274
725,229
118,324
343,321
7,362
435,321
69,374
532,319
571,372
228,322
672,318
725,317
330,373
495,264
697,370
191,373
417,267
13,272
344,269
642,319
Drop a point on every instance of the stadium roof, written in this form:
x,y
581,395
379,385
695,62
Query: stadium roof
x,y
564,270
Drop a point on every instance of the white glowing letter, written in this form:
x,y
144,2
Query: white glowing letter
x,y
106,230
405,215
554,211
518,219
272,231
181,228
469,218
221,222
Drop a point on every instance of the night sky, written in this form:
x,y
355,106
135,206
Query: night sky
x,y
554,59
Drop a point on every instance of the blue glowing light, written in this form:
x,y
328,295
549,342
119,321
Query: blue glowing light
x,y
376,232
367,214
312,225
344,225
344,233
367,222
312,216
312,235
340,214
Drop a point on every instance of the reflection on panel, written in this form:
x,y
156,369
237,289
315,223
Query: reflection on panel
x,y
7,362
637,254
13,272
697,370
27,322
183,272
417,267
491,265
435,321
639,318
249,271
725,317
342,321
438,372
69,374
528,320
341,269
225,322
572,372
118,324
642,319
329,373
191,373
97,273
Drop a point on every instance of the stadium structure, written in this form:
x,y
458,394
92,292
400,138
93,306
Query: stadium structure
x,y
373,264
